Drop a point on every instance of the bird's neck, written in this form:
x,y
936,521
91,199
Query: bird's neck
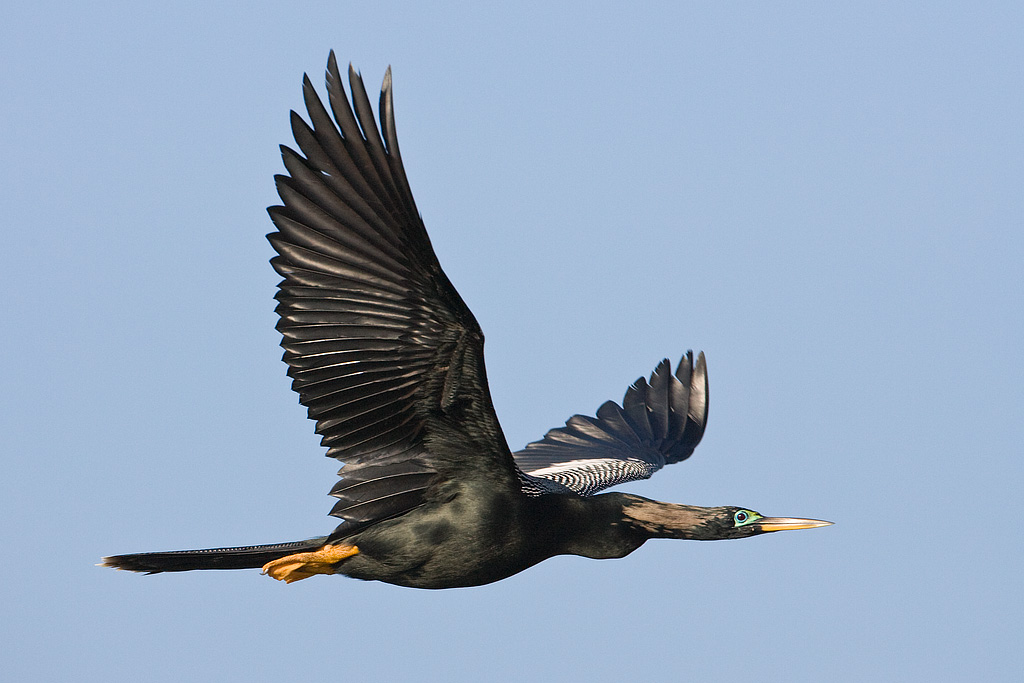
x,y
667,520
615,524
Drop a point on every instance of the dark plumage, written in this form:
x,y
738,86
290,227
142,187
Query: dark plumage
x,y
388,360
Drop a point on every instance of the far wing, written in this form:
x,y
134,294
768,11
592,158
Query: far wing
x,y
659,423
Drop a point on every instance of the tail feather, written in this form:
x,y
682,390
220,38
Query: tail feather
x,y
246,557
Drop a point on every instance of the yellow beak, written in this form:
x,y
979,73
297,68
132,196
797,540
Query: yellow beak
x,y
788,523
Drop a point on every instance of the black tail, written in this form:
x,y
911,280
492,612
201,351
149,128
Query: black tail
x,y
247,557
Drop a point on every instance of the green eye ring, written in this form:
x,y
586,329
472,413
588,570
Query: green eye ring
x,y
745,517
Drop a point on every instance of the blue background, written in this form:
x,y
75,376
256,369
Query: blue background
x,y
824,197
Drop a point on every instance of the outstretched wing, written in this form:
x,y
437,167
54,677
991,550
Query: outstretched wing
x,y
383,352
659,423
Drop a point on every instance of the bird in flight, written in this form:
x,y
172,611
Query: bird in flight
x,y
389,362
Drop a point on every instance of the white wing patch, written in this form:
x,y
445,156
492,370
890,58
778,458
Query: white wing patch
x,y
582,463
587,476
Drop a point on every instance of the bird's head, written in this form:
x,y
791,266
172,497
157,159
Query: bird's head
x,y
669,520
734,522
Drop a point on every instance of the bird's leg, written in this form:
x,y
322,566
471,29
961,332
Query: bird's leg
x,y
304,565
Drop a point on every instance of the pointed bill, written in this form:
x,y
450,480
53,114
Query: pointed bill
x,y
789,523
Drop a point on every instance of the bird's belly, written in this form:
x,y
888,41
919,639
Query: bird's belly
x,y
446,547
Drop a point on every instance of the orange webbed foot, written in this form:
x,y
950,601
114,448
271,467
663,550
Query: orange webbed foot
x,y
304,565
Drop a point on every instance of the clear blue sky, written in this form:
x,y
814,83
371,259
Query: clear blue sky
x,y
824,197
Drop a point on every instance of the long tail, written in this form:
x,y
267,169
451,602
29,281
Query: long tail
x,y
246,557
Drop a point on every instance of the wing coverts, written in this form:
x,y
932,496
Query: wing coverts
x,y
660,422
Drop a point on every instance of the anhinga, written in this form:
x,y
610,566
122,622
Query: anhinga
x,y
389,362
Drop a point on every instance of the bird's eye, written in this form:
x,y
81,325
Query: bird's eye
x,y
744,517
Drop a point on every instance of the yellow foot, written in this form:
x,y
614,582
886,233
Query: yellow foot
x,y
304,565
